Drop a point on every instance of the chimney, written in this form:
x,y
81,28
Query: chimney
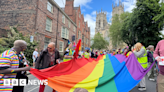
x,y
69,7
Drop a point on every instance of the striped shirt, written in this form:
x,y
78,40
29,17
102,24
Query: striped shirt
x,y
9,59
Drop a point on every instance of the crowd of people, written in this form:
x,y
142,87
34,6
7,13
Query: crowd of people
x,y
13,64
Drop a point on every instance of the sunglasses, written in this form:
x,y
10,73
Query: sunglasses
x,y
49,48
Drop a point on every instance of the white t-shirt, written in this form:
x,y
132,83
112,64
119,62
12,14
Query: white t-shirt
x,y
35,53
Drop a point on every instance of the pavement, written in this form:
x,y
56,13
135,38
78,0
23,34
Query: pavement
x,y
150,85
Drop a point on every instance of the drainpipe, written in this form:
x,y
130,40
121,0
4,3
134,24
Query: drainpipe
x,y
57,28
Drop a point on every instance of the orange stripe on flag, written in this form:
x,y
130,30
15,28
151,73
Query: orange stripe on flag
x,y
64,83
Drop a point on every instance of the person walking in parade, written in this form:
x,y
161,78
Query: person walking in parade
x,y
68,55
151,73
87,54
141,55
158,55
34,56
11,66
49,57
92,53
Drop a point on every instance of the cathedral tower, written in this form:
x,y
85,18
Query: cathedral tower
x,y
117,9
101,22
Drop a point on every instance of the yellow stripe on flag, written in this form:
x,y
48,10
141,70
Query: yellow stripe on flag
x,y
91,82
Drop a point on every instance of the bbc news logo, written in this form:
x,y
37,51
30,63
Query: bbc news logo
x,y
23,82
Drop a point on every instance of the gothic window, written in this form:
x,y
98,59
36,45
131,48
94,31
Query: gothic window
x,y
99,24
104,23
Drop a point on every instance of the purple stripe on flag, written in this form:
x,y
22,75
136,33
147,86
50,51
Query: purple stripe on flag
x,y
134,68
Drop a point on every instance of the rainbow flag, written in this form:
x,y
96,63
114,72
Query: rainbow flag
x,y
107,73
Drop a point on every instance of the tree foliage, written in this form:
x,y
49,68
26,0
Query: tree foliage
x,y
125,31
99,42
142,25
114,31
13,34
160,17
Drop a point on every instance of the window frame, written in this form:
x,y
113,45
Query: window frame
x,y
63,19
64,32
49,25
69,24
61,42
74,29
46,41
49,4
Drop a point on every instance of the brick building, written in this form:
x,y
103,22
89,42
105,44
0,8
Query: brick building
x,y
83,31
42,17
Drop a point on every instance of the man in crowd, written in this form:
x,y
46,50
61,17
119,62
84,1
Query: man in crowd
x,y
158,55
80,90
34,56
11,66
49,57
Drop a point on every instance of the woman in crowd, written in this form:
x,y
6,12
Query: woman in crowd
x,y
96,54
141,55
151,73
158,55
87,54
68,55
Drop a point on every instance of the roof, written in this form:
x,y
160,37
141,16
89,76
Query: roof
x,y
63,8
75,8
54,3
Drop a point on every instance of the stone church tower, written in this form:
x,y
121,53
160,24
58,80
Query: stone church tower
x,y
102,25
117,9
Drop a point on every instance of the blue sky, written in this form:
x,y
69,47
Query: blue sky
x,y
89,8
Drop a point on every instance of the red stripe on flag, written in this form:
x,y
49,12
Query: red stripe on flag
x,y
78,48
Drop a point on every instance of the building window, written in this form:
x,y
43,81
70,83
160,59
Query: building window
x,y
79,23
82,38
79,34
86,41
65,33
79,15
74,29
46,42
61,46
50,7
48,24
63,19
69,24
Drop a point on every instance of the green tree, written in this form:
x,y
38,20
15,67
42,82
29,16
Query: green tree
x,y
114,31
160,17
144,28
13,34
125,30
99,42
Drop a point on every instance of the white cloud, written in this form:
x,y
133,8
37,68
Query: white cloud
x,y
129,5
160,1
61,3
82,3
163,32
93,13
91,19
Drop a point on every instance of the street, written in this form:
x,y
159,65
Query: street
x,y
151,86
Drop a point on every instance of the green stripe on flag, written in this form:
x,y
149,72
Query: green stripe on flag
x,y
106,82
